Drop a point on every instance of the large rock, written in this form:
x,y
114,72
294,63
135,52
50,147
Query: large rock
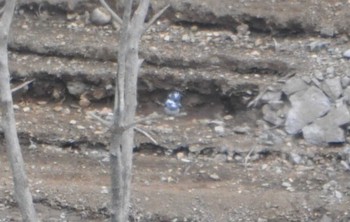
x,y
332,87
307,106
76,88
272,116
326,129
100,16
318,135
294,85
338,116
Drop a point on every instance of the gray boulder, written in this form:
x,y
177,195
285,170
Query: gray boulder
x,y
332,87
318,134
306,107
76,88
326,129
294,85
270,115
100,16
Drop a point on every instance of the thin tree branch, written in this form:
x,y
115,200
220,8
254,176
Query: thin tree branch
x,y
104,122
155,17
146,134
110,10
136,122
21,86
109,124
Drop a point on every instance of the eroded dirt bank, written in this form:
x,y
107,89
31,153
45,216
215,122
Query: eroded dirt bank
x,y
220,162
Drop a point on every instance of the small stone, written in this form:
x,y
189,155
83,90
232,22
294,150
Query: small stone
x,y
104,190
42,103
80,127
306,79
195,148
99,93
316,82
194,28
345,81
325,218
286,184
328,31
258,42
58,108
214,176
84,102
98,132
73,122
220,130
345,165
76,88
319,75
100,16
330,186
105,111
220,158
167,38
295,158
330,71
238,158
170,180
269,115
186,38
228,117
316,46
71,16
180,155
241,129
26,109
346,54
338,194
16,107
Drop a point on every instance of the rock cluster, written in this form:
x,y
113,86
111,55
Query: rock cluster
x,y
315,106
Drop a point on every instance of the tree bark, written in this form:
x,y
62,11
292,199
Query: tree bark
x,y
22,192
122,143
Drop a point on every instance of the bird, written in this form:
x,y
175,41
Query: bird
x,y
172,104
175,96
171,107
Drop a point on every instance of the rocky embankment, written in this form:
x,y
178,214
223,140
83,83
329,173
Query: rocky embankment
x,y
229,50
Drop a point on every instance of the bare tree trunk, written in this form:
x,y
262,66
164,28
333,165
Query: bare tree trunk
x,y
125,107
125,101
22,192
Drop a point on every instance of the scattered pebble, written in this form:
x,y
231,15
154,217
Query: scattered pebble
x,y
42,103
104,190
26,109
73,122
220,130
241,129
214,176
346,54
100,16
80,127
58,108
